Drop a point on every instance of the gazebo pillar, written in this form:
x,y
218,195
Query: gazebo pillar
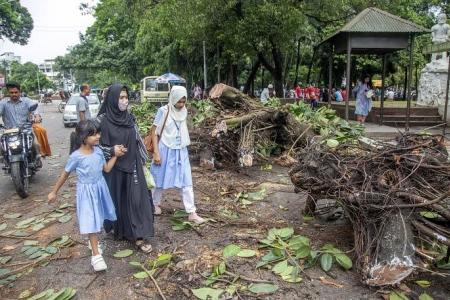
x,y
347,75
408,104
330,74
383,78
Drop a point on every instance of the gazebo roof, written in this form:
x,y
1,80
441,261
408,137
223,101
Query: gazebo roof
x,y
377,21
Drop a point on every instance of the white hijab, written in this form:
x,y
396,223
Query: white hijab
x,y
177,117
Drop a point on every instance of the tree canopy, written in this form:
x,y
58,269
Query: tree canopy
x,y
249,43
15,22
28,75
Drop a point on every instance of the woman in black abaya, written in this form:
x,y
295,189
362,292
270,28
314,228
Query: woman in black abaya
x,y
126,181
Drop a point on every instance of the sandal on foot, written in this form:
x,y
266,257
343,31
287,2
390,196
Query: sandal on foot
x,y
144,247
98,263
99,247
157,211
193,217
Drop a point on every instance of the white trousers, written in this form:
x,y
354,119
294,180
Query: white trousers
x,y
187,194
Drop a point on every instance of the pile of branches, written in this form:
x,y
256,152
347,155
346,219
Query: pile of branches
x,y
233,128
396,196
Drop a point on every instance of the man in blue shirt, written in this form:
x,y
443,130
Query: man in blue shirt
x,y
15,112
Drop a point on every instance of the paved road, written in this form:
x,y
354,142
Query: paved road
x,y
59,142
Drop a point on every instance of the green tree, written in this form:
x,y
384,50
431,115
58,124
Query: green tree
x,y
27,76
15,22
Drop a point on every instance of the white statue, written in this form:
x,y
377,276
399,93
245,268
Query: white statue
x,y
440,33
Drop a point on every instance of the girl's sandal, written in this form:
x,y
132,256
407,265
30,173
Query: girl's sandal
x,y
144,247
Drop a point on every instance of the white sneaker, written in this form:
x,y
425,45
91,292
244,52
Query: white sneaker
x,y
193,217
99,247
98,263
157,211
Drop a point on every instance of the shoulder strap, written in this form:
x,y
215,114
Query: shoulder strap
x,y
165,120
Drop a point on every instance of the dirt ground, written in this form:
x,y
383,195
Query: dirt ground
x,y
194,252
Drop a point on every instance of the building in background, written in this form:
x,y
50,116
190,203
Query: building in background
x,y
6,59
47,68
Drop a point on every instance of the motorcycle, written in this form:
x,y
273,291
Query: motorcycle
x,y
18,157
62,106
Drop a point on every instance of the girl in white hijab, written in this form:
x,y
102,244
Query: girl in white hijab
x,y
171,167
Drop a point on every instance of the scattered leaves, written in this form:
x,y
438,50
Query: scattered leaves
x,y
123,253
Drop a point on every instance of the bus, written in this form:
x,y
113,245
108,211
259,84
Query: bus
x,y
154,91
157,88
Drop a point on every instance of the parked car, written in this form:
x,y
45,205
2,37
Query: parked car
x,y
70,111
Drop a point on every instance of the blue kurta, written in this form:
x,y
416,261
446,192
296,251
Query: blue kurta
x,y
175,168
94,203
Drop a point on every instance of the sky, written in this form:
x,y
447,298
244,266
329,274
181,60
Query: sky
x,y
57,25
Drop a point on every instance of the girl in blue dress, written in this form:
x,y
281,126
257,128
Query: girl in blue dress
x,y
171,167
94,203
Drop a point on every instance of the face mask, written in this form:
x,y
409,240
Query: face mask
x,y
123,105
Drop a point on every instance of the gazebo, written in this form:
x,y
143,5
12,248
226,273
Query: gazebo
x,y
374,31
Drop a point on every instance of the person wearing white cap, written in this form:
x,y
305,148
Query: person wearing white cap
x,y
171,167
267,93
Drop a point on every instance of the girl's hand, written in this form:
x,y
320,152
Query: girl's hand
x,y
51,197
119,150
156,158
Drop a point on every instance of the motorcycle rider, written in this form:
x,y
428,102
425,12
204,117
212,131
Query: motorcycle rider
x,y
14,111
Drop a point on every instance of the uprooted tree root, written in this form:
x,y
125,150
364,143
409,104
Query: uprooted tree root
x,y
385,190
242,130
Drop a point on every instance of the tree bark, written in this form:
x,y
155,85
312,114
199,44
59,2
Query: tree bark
x,y
297,63
252,75
311,64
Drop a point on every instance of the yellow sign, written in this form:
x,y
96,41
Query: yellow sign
x,y
376,82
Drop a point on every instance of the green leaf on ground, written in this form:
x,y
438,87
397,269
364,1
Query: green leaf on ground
x,y
423,283
51,250
284,233
25,223
65,218
394,295
37,254
25,294
3,226
20,233
326,261
31,243
4,271
43,295
425,296
263,288
280,267
303,252
257,196
429,214
246,253
38,227
207,293
4,259
344,261
162,260
140,275
12,216
135,263
65,205
123,253
231,250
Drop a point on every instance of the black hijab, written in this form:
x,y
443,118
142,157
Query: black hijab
x,y
111,107
118,128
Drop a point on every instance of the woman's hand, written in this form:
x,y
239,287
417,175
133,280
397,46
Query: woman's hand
x,y
156,158
51,197
119,150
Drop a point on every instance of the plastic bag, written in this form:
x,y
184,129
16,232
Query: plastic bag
x,y
149,178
